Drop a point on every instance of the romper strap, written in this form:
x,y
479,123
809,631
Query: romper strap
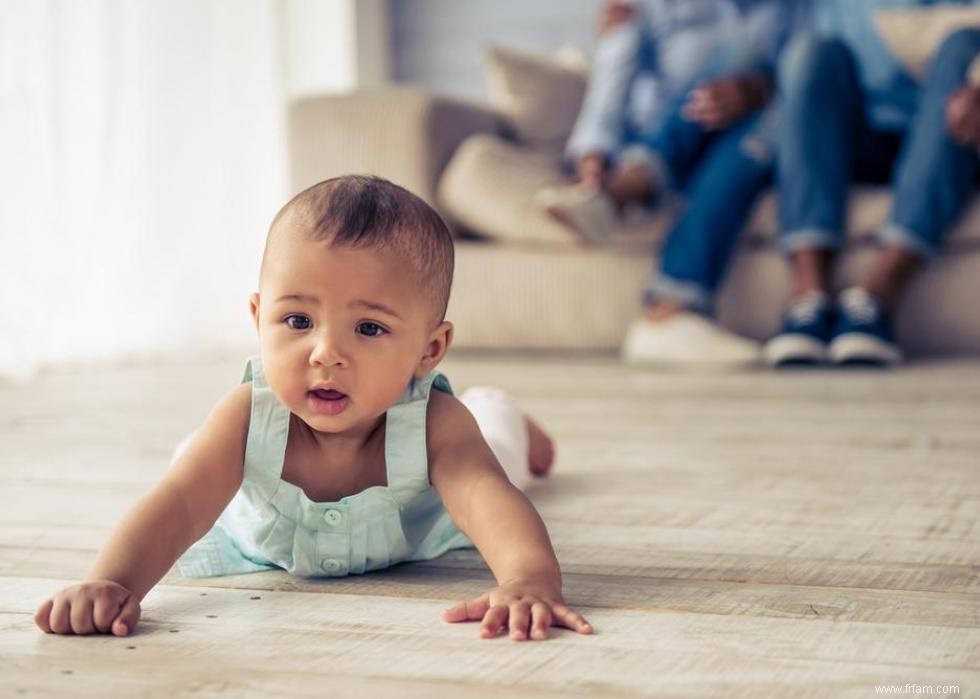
x,y
406,452
268,429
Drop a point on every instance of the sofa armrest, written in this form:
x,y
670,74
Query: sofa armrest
x,y
404,134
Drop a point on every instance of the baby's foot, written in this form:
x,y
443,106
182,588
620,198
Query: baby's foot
x,y
540,449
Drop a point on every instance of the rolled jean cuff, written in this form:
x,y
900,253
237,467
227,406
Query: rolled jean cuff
x,y
651,161
689,294
892,233
809,239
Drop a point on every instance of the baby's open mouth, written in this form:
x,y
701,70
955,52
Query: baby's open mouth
x,y
327,401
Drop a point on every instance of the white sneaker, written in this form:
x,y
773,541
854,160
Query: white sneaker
x,y
589,212
687,339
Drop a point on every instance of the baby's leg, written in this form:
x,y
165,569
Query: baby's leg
x,y
520,445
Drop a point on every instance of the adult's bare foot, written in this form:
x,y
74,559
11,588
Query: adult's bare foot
x,y
540,449
663,310
590,170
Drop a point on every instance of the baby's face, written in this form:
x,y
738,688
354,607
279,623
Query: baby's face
x,y
342,331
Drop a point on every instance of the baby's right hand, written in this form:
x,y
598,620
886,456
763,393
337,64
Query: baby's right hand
x,y
97,606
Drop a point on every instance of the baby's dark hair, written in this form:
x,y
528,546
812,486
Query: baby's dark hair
x,y
362,211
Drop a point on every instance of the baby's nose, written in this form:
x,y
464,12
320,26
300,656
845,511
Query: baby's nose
x,y
327,351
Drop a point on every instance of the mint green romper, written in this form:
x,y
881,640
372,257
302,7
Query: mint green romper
x,y
271,523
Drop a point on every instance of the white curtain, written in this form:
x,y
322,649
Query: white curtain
x,y
142,156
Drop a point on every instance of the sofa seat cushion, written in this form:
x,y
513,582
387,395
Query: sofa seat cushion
x,y
511,297
543,297
868,208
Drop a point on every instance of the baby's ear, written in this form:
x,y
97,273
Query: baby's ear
x,y
436,348
253,306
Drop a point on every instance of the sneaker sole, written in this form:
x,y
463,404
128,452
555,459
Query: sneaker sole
x,y
861,348
689,367
559,213
794,348
584,237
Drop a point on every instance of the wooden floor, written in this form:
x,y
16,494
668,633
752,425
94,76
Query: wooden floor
x,y
760,534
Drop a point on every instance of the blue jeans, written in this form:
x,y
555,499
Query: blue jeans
x,y
720,175
615,113
826,140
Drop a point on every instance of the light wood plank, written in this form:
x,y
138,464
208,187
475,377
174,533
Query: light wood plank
x,y
757,534
404,639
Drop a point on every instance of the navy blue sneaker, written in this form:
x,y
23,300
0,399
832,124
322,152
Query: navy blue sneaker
x,y
807,327
863,332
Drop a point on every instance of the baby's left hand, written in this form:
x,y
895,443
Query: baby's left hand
x,y
527,607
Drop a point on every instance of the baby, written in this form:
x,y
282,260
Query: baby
x,y
335,455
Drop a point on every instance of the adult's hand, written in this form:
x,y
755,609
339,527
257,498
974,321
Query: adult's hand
x,y
615,13
719,103
963,116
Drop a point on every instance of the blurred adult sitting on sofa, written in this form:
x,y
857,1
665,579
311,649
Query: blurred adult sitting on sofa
x,y
851,111
676,104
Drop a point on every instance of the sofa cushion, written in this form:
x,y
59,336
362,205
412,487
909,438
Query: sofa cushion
x,y
538,96
489,187
914,34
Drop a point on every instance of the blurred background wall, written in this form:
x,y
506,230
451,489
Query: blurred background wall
x,y
440,43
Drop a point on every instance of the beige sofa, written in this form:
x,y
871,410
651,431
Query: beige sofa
x,y
529,284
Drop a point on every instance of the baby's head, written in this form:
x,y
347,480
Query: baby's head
x,y
352,298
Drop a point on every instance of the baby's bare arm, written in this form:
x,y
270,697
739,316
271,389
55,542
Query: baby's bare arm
x,y
159,527
503,525
483,503
183,505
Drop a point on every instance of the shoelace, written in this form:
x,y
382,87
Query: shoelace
x,y
806,310
859,305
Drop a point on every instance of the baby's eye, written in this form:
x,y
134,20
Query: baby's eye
x,y
370,329
297,322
